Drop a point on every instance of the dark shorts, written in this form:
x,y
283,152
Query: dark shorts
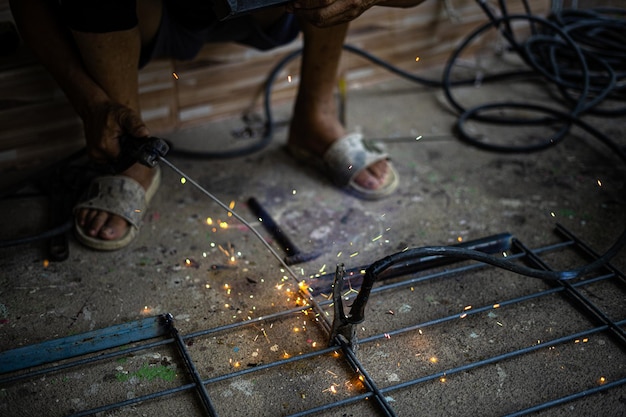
x,y
178,41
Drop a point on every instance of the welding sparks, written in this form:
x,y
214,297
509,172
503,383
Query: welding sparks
x,y
191,263
304,287
417,59
289,78
183,180
175,75
332,389
599,183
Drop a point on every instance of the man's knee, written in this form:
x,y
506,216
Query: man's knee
x,y
149,14
99,16
282,29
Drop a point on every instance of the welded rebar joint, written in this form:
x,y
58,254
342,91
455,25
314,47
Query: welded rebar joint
x,y
166,321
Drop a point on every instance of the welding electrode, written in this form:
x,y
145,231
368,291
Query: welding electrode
x,y
294,256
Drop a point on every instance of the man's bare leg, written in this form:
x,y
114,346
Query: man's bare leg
x,y
112,60
315,124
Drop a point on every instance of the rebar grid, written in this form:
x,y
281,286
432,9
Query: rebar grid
x,y
370,390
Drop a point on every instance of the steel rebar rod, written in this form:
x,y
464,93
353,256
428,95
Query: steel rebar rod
x,y
325,323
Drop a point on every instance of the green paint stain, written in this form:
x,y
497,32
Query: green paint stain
x,y
149,373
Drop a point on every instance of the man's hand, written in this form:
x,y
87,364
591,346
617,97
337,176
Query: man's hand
x,y
325,13
105,123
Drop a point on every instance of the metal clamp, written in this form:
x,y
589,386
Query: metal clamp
x,y
344,326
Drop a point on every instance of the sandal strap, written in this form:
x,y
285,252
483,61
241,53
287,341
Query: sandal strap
x,y
349,155
119,195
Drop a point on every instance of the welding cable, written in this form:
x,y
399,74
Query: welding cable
x,y
564,62
357,310
597,75
269,124
469,254
50,233
268,129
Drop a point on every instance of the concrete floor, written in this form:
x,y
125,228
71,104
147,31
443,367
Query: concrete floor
x,y
450,192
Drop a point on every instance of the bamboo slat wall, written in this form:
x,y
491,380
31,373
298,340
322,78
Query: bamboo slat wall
x,y
38,125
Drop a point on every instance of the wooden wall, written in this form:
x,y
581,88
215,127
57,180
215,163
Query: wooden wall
x,y
37,124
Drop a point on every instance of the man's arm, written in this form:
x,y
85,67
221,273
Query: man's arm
x,y
96,71
40,26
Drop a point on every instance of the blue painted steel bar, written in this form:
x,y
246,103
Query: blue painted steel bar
x,y
83,361
82,344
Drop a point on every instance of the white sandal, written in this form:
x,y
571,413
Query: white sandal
x,y
345,158
121,196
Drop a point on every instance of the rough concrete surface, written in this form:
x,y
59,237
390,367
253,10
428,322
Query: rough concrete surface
x,y
450,192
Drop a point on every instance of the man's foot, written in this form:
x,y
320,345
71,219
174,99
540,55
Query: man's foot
x,y
103,225
317,133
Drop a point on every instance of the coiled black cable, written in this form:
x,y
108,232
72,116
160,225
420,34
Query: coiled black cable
x,y
561,60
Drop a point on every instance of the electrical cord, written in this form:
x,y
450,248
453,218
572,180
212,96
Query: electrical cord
x,y
570,52
552,57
